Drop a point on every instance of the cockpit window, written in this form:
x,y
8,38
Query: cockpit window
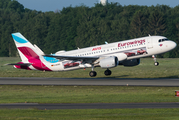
x,y
162,40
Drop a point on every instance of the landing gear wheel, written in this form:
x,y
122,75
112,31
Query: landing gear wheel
x,y
92,73
155,60
107,72
156,63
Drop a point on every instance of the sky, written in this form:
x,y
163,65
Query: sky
x,y
52,5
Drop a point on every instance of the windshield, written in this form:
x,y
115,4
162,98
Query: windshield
x,y
161,40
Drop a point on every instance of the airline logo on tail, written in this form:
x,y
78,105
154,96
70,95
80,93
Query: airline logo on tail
x,y
28,54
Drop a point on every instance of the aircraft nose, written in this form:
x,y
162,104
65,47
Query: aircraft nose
x,y
173,45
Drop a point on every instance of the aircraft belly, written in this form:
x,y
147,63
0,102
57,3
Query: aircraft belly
x,y
68,69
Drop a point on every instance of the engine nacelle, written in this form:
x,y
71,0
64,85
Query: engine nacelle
x,y
109,62
121,56
129,63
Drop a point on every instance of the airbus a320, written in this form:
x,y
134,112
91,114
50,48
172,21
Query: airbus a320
x,y
110,55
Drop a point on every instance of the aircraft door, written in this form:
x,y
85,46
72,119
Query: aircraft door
x,y
149,43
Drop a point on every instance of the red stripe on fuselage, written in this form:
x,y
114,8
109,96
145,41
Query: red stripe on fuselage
x,y
33,58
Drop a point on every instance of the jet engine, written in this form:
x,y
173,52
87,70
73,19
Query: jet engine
x,y
129,63
121,56
109,62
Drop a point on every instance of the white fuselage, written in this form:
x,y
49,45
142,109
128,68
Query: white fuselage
x,y
134,48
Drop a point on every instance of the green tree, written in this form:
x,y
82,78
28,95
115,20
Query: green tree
x,y
157,23
138,24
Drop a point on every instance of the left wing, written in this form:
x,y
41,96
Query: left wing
x,y
86,59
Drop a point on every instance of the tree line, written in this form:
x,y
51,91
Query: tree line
x,y
82,26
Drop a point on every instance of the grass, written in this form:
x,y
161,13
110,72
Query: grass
x,y
86,94
90,114
168,68
91,94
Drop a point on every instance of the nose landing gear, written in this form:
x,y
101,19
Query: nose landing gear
x,y
155,60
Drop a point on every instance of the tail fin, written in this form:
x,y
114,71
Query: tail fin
x,y
25,48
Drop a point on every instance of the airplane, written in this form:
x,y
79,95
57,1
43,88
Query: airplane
x,y
106,56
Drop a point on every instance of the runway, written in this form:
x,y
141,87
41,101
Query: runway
x,y
92,81
88,106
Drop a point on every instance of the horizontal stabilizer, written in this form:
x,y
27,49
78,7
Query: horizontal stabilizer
x,y
24,64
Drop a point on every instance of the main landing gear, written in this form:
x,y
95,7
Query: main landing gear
x,y
107,72
93,73
155,60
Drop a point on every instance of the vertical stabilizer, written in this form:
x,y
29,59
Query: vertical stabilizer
x,y
39,50
25,48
